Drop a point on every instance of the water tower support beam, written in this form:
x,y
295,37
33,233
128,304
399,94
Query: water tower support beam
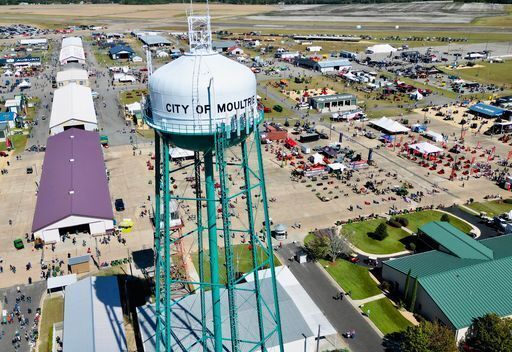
x,y
268,239
167,244
200,246
228,247
253,239
158,238
213,249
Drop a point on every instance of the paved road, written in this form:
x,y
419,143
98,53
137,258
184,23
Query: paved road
x,y
486,231
341,314
8,331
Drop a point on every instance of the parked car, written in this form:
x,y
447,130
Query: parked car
x,y
119,204
18,243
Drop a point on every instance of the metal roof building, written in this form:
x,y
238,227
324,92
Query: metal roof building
x,y
486,110
93,316
461,280
333,102
73,107
73,192
73,75
121,52
300,317
154,40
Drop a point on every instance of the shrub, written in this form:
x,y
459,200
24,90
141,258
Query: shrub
x,y
445,218
381,232
411,246
394,223
385,286
508,201
403,221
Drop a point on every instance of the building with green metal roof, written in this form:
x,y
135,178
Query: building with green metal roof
x,y
460,280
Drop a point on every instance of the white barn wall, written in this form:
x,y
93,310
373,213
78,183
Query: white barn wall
x,y
60,128
75,220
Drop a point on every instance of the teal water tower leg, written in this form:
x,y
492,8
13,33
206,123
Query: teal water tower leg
x,y
213,248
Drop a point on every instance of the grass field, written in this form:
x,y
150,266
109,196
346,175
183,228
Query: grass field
x,y
492,208
498,21
352,277
386,316
420,218
359,237
242,258
131,96
19,141
53,312
496,73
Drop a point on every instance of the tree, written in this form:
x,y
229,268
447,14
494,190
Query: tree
x,y
381,232
413,295
407,283
339,243
426,337
489,333
445,218
318,247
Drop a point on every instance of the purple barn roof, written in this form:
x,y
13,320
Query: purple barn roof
x,y
73,162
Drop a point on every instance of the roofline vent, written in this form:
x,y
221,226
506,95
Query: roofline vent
x,y
71,192
71,160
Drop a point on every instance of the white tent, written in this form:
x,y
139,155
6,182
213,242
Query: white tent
x,y
178,153
416,95
24,84
436,137
8,73
122,77
425,148
134,108
316,159
380,49
336,167
162,54
389,125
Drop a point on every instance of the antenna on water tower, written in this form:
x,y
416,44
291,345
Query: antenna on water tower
x,y
149,62
199,32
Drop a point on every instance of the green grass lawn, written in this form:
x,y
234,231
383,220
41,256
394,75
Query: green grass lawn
x,y
352,277
492,208
19,141
242,259
496,73
53,312
358,232
386,316
417,219
131,96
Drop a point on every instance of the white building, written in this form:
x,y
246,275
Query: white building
x,y
72,51
380,49
72,54
73,107
74,75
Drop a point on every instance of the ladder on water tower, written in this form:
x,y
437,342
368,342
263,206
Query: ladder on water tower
x,y
220,148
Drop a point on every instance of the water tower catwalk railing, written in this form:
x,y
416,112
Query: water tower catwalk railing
x,y
213,282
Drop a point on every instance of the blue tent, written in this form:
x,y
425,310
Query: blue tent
x,y
488,111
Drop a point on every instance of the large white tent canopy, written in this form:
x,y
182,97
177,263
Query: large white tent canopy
x,y
72,102
425,148
389,125
71,54
380,49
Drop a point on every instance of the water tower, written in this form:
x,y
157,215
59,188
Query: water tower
x,y
207,103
